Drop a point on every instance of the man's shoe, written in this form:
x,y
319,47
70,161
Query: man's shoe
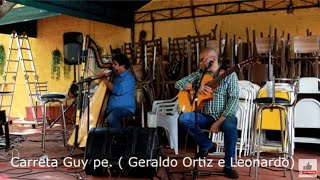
x,y
203,153
230,173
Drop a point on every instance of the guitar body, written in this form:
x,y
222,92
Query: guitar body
x,y
185,97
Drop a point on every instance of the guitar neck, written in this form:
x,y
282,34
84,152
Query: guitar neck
x,y
222,76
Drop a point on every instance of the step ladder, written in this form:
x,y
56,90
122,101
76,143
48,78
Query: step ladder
x,y
19,51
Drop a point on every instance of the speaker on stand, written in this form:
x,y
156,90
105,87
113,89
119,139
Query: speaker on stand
x,y
74,55
72,47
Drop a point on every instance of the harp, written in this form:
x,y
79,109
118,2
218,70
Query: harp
x,y
92,113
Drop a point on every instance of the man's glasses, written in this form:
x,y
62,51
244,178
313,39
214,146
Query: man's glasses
x,y
206,58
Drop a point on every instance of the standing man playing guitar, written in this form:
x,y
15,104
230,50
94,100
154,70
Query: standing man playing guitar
x,y
217,114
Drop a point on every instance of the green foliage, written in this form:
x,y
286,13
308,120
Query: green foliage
x,y
55,67
66,71
2,59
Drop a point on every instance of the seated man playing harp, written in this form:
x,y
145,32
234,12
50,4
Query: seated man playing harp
x,y
122,96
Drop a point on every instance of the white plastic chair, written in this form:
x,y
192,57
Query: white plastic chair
x,y
307,115
218,139
244,115
242,126
307,110
165,114
247,93
309,85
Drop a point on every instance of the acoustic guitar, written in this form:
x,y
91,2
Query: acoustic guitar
x,y
186,97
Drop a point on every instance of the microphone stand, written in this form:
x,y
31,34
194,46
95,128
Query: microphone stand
x,y
78,99
197,85
195,172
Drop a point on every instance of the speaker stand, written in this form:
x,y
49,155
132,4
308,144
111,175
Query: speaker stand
x,y
77,102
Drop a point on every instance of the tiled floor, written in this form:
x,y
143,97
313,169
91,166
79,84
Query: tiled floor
x,y
27,146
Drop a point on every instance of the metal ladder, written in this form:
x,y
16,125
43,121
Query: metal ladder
x,y
20,48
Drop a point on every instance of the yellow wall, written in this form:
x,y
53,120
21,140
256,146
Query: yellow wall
x,y
295,24
50,37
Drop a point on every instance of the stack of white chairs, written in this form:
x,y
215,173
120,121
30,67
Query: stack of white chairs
x,y
218,139
307,110
245,115
165,114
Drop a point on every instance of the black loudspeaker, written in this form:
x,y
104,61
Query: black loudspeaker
x,y
3,118
116,152
72,47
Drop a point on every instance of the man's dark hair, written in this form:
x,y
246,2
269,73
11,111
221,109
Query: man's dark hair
x,y
122,59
